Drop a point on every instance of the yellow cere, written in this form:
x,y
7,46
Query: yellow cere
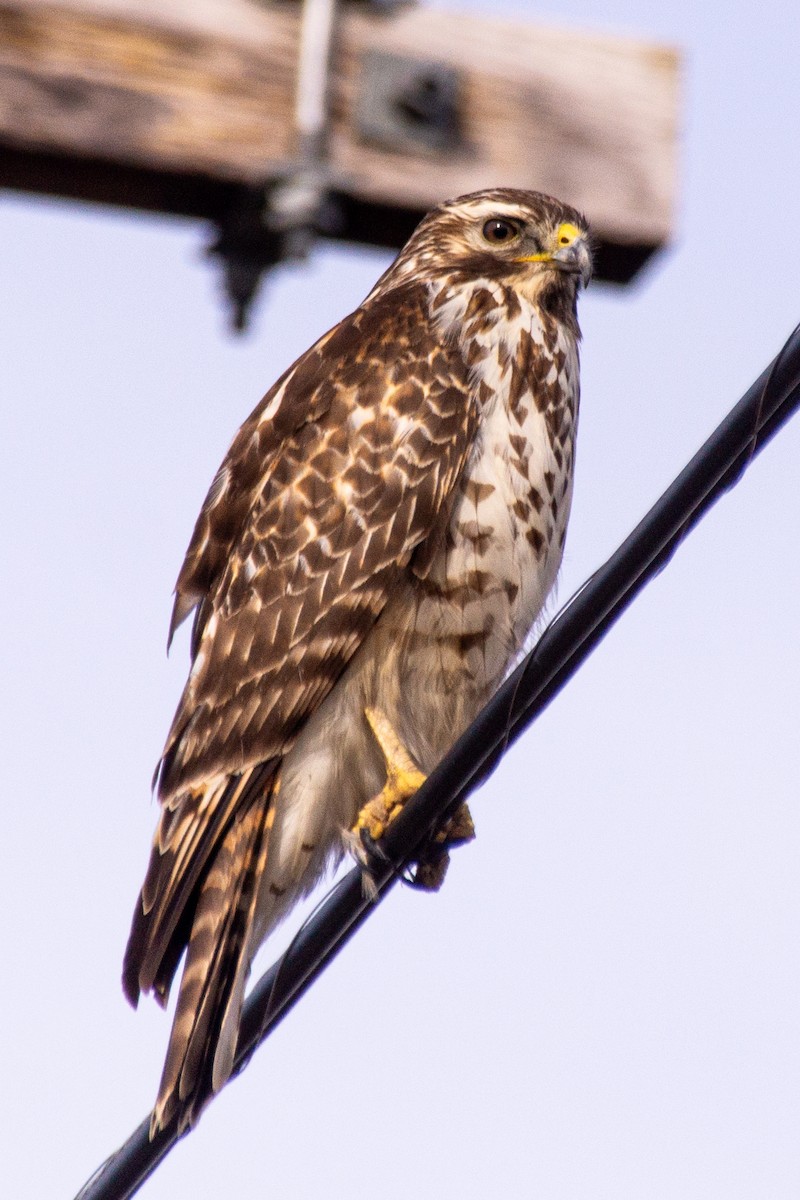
x,y
567,234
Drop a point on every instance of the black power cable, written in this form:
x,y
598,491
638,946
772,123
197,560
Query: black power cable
x,y
565,644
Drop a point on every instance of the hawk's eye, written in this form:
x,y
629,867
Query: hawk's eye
x,y
499,230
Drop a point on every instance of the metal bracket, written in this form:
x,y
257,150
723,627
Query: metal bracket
x,y
265,226
280,221
408,104
404,103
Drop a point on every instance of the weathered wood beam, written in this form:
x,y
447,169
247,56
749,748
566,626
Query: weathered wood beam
x,y
176,107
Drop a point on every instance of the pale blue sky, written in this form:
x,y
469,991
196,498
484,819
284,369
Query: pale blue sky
x,y
604,1001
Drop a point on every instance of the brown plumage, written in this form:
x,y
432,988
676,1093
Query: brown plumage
x,y
383,532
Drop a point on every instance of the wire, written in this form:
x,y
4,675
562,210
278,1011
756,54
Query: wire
x,y
563,647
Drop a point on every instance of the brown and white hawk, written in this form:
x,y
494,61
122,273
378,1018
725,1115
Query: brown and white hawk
x,y
371,555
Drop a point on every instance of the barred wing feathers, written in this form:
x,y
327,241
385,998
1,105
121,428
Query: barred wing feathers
x,y
372,431
327,490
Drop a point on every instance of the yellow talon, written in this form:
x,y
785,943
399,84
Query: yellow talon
x,y
402,773
403,778
431,868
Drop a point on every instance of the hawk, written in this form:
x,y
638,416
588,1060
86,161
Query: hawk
x,y
372,553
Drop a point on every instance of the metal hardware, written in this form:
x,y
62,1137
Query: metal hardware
x,y
404,103
265,226
408,104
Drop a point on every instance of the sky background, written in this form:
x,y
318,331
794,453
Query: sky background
x,y
604,1001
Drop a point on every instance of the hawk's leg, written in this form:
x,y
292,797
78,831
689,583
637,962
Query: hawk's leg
x,y
432,864
403,778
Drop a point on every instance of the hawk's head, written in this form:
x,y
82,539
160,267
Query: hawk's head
x,y
526,240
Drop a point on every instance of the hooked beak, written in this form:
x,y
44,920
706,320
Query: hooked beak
x,y
574,258
572,255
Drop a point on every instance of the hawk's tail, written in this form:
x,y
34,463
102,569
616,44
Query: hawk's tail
x,y
204,1033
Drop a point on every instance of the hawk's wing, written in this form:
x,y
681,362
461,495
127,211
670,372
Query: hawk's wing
x,y
325,494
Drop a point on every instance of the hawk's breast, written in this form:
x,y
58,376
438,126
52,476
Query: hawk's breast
x,y
506,529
